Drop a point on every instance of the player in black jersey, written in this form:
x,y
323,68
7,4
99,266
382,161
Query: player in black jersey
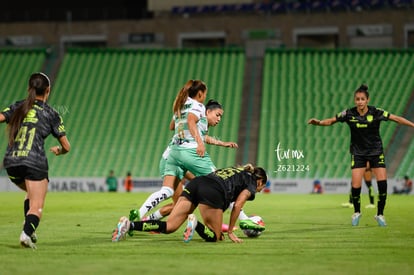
x,y
30,121
366,146
213,194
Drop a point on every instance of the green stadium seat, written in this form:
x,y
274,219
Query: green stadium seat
x,y
120,105
320,83
16,67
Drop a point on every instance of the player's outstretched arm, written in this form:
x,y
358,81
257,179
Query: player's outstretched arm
x,y
214,141
401,120
2,118
323,122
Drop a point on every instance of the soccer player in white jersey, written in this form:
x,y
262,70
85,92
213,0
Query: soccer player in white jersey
x,y
187,151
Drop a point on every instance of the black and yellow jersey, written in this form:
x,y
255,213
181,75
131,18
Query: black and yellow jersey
x,y
234,181
28,147
365,130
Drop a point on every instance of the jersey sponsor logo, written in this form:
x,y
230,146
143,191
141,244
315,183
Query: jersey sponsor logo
x,y
361,125
149,226
31,117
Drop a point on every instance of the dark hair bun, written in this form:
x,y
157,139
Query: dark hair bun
x,y
213,104
363,87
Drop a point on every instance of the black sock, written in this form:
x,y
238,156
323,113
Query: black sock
x,y
356,199
370,195
205,232
382,196
150,225
30,225
26,206
350,196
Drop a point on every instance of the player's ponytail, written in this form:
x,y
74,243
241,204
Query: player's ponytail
x,y
38,84
190,89
181,98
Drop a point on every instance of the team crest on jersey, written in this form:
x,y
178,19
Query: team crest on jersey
x,y
370,118
342,114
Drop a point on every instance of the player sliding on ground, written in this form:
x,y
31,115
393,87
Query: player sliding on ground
x,y
213,194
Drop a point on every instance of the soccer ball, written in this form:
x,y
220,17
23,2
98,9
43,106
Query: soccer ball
x,y
252,233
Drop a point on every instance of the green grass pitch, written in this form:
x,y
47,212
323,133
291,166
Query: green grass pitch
x,y
305,234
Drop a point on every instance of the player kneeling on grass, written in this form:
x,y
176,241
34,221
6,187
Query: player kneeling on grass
x,y
213,194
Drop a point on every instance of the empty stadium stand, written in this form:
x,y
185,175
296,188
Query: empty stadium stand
x,y
289,6
116,105
300,84
119,105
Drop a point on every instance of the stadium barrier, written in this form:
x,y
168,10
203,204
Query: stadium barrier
x,y
329,186
277,186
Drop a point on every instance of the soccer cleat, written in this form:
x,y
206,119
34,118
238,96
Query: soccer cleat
x,y
249,224
380,220
26,241
133,216
355,218
121,229
34,237
370,206
189,230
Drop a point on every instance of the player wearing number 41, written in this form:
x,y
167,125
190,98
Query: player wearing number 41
x,y
366,146
212,194
30,121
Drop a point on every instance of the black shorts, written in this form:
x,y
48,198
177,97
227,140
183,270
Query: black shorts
x,y
207,191
18,174
374,161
